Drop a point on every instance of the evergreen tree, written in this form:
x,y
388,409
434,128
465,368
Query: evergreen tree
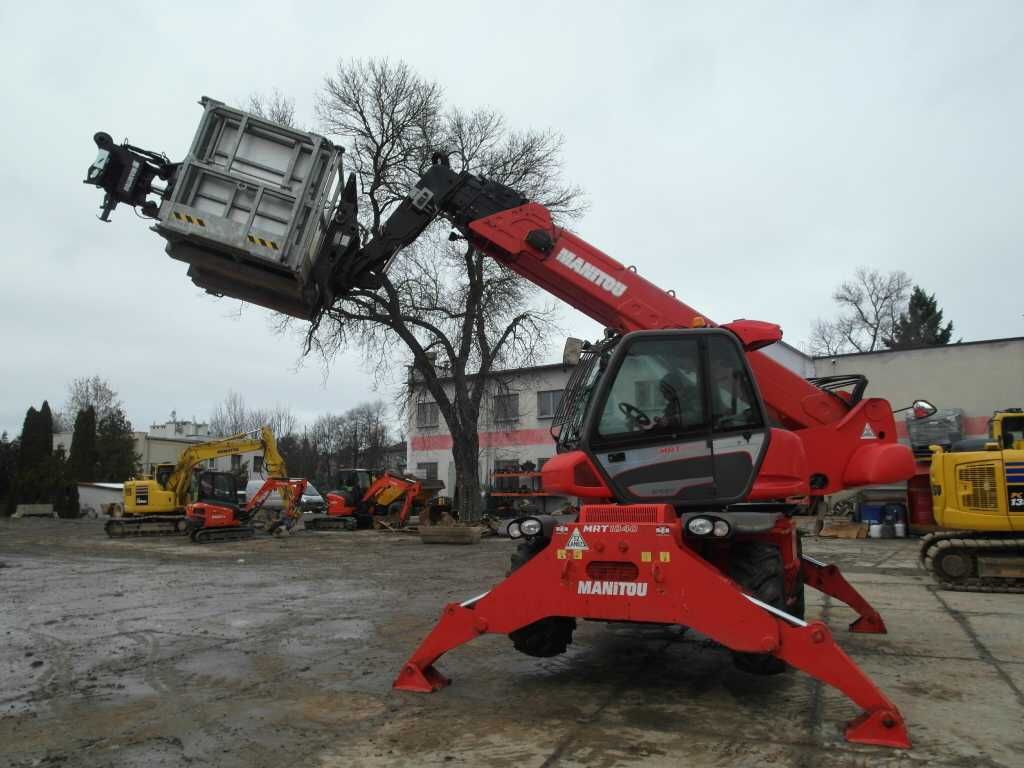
x,y
84,457
115,448
921,324
8,468
62,489
34,482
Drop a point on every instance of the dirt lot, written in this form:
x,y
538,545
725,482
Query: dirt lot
x,y
281,653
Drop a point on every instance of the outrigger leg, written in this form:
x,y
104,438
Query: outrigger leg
x,y
663,589
830,581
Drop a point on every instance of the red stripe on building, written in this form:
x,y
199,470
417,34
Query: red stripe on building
x,y
487,439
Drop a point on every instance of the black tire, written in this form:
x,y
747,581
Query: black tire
x,y
547,637
757,567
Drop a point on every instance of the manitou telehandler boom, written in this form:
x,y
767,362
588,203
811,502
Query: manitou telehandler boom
x,y
681,439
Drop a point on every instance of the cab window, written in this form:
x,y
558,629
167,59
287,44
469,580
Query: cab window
x,y
657,390
733,403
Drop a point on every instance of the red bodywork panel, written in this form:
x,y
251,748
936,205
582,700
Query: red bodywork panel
x,y
619,298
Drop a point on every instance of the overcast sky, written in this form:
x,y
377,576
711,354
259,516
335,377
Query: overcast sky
x,y
748,155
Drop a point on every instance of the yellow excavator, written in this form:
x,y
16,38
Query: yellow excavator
x,y
154,505
978,497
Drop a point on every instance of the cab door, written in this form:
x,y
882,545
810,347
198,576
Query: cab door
x,y
1013,468
676,419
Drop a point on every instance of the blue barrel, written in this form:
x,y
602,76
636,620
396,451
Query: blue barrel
x,y
870,513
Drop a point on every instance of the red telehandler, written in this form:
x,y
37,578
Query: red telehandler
x,y
683,442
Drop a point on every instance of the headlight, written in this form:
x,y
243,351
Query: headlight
x,y
700,526
530,526
721,528
513,531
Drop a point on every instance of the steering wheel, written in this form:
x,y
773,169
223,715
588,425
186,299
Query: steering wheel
x,y
640,418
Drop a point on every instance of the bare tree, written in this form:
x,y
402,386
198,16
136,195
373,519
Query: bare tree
x,y
460,316
232,416
275,107
870,305
86,391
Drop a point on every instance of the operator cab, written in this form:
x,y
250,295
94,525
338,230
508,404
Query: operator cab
x,y
669,416
220,488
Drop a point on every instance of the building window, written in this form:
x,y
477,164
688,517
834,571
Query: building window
x,y
427,469
426,415
257,465
236,463
506,408
547,403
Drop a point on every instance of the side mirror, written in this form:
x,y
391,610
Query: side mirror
x,y
572,351
921,409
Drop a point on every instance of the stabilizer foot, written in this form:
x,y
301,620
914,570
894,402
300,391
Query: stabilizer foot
x,y
880,728
869,624
426,680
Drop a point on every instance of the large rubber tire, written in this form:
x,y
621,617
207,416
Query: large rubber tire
x,y
547,637
757,567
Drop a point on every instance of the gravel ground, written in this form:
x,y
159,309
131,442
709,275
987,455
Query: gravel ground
x,y
157,652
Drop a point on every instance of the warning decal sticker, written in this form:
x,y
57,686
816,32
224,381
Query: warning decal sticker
x,y
576,541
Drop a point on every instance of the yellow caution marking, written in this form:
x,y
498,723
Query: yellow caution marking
x,y
265,243
645,557
194,220
560,553
665,557
577,554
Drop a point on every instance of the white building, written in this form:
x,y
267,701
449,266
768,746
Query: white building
x,y
515,426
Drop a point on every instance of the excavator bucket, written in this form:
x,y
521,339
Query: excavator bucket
x,y
642,571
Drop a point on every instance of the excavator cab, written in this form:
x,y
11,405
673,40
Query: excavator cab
x,y
217,488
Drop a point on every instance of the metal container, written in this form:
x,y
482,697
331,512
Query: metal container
x,y
250,207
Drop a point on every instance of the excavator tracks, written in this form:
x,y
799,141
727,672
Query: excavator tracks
x,y
217,535
167,525
952,558
346,523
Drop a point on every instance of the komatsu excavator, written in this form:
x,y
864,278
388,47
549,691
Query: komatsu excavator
x,y
978,498
682,440
155,505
